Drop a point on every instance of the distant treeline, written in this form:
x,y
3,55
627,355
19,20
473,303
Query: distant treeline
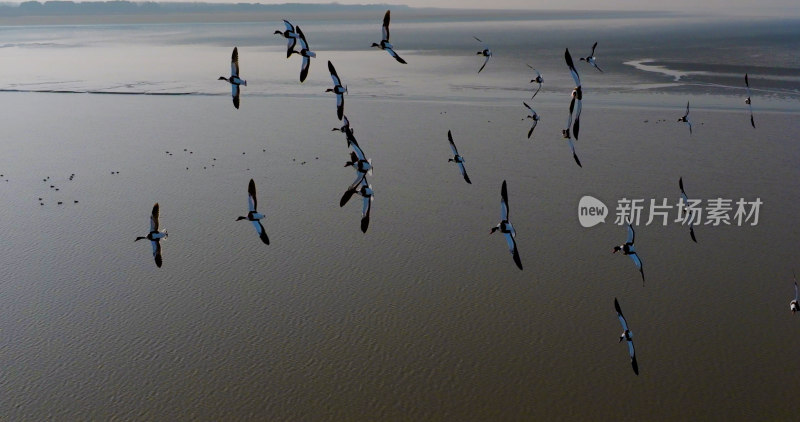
x,y
67,8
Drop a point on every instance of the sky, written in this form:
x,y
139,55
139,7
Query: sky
x,y
725,7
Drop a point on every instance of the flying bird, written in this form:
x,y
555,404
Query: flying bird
x,y
337,89
234,80
627,335
486,52
575,102
505,226
253,215
358,160
305,52
627,248
345,126
364,189
538,79
154,236
457,158
291,36
691,213
591,59
385,44
534,117
685,118
747,101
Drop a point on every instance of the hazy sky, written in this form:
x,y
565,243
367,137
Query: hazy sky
x,y
726,7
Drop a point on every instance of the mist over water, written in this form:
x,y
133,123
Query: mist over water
x,y
424,317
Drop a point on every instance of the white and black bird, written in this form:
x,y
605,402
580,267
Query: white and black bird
x,y
505,226
457,158
538,79
385,44
627,335
628,248
358,160
575,103
685,118
344,127
591,59
794,305
337,89
486,52
253,215
234,79
291,37
305,52
154,236
691,213
748,101
364,189
533,116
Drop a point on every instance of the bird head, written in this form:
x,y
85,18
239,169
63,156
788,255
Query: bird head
x,y
278,32
376,45
222,78
139,238
616,249
494,229
241,218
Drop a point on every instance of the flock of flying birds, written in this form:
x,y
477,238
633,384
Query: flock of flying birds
x,y
363,166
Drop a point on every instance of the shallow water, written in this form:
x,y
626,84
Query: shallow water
x,y
424,316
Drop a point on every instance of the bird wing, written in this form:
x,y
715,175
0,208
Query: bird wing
x,y
303,42
154,218
477,39
537,91
452,144
252,201
367,208
533,126
235,91
464,172
796,297
571,66
334,75
687,110
262,233
631,235
529,108
385,26
638,262
747,84
512,247
291,42
304,68
235,62
357,149
620,316
634,364
340,106
503,202
574,155
576,126
394,54
593,47
289,26
157,252
484,63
